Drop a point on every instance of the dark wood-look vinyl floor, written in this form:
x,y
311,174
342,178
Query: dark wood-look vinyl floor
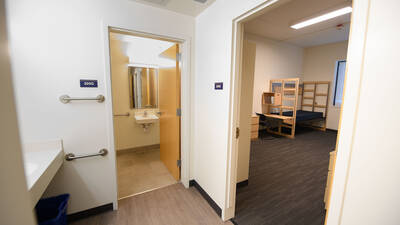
x,y
287,180
171,205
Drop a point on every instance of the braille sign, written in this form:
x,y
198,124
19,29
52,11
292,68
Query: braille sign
x,y
218,85
88,83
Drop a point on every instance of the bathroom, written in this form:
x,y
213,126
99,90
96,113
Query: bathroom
x,y
145,95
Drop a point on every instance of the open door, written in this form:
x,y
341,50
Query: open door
x,y
169,104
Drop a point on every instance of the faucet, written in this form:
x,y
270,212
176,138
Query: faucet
x,y
145,113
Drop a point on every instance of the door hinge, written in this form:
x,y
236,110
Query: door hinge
x,y
178,162
237,132
178,57
179,112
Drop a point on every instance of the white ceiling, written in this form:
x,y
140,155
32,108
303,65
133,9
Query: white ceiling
x,y
275,24
188,7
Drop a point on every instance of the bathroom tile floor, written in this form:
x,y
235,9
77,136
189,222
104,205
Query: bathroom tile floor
x,y
141,171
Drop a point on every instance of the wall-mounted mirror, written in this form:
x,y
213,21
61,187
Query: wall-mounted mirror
x,y
143,87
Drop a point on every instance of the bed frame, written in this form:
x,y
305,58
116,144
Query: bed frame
x,y
281,104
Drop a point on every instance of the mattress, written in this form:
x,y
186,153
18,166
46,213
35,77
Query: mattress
x,y
302,115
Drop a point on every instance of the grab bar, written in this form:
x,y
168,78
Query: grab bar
x,y
126,114
72,156
66,99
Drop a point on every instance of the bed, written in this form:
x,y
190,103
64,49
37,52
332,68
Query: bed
x,y
283,108
302,115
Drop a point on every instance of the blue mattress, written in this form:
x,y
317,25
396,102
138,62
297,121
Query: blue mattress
x,y
302,115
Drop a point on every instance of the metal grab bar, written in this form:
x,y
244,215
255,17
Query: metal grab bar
x,y
66,99
126,114
72,156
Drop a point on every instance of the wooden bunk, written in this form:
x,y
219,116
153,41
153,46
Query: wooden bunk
x,y
281,104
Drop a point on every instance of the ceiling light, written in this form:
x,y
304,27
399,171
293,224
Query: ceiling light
x,y
323,17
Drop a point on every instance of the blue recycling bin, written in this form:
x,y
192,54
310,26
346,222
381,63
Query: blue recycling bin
x,y
53,210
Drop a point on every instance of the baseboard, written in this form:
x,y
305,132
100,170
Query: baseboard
x,y
233,221
89,212
242,184
141,148
332,130
217,209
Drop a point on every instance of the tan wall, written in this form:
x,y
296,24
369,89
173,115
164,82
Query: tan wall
x,y
274,60
246,102
127,133
319,65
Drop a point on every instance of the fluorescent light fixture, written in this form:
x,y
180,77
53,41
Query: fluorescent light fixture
x,y
323,17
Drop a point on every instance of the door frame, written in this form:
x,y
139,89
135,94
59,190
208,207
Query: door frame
x,y
348,114
186,95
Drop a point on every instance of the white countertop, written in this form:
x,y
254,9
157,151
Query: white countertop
x,y
42,161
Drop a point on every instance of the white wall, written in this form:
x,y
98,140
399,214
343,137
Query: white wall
x,y
54,43
372,191
212,64
372,195
274,60
15,201
319,65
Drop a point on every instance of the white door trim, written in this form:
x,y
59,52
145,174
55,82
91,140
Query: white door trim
x,y
348,111
186,96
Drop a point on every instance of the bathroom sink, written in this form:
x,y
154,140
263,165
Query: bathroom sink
x,y
142,119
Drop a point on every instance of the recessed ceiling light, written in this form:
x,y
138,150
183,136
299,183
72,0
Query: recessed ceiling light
x,y
323,17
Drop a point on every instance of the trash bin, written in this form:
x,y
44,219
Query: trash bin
x,y
53,210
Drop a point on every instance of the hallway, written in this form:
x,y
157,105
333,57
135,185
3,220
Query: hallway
x,y
172,205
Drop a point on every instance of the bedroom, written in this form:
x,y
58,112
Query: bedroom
x,y
284,159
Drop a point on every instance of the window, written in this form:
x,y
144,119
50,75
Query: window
x,y
339,82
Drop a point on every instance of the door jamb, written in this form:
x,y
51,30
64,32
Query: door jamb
x,y
348,114
186,97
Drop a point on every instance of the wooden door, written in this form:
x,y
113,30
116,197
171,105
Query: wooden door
x,y
169,103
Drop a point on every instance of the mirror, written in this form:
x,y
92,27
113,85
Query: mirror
x,y
143,87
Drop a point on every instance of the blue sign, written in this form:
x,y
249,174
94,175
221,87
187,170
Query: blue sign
x,y
218,85
89,83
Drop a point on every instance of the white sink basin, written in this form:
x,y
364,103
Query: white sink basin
x,y
142,119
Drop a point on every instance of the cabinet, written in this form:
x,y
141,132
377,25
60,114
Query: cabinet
x,y
254,126
332,162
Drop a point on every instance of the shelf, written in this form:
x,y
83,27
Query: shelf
x,y
287,126
278,116
308,90
273,106
321,94
308,97
316,82
320,106
289,99
309,105
287,107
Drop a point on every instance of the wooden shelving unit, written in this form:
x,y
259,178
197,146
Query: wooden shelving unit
x,y
312,87
284,95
